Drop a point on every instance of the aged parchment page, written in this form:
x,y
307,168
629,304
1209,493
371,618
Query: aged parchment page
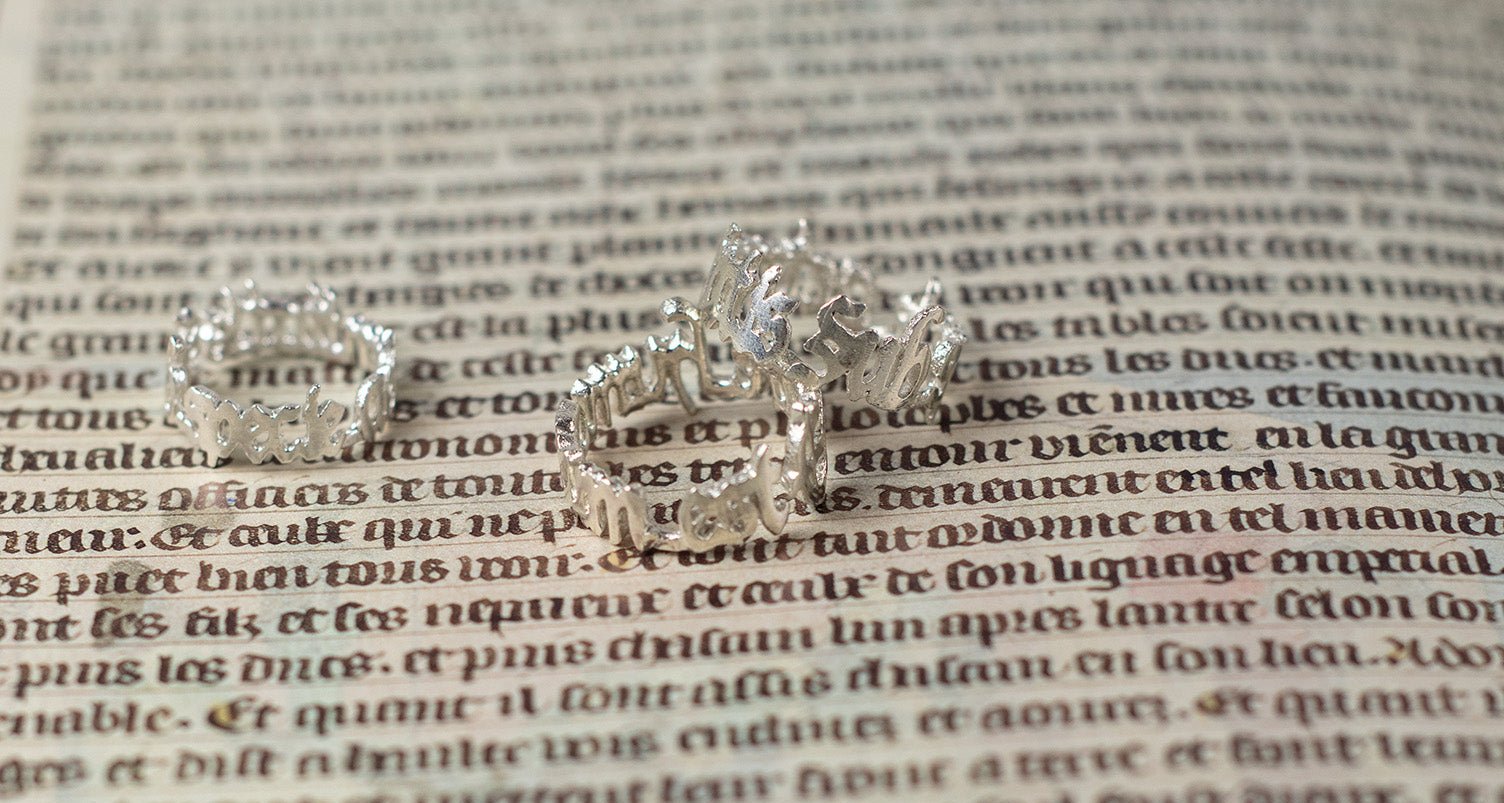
x,y
1211,515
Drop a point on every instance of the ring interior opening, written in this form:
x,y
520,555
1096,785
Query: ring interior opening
x,y
273,353
628,443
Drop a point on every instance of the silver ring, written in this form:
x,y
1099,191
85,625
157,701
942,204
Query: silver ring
x,y
243,324
755,285
725,512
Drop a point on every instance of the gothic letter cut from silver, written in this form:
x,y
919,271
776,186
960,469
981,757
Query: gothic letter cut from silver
x,y
756,284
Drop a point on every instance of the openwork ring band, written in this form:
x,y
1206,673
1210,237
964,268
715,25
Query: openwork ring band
x,y
724,512
242,324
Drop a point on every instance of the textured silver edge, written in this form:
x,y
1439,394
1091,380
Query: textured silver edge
x,y
725,512
242,323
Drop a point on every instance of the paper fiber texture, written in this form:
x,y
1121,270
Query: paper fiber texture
x,y
1212,512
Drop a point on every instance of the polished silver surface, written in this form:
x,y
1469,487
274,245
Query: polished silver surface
x,y
242,324
724,512
756,284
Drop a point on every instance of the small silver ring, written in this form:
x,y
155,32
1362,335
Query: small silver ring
x,y
725,512
755,284
242,324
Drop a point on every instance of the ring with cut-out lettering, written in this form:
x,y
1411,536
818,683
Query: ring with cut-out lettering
x,y
242,324
725,512
755,284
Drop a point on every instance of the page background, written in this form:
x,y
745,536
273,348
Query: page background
x,y
538,75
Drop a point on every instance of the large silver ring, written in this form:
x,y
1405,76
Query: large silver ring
x,y
756,284
241,324
725,512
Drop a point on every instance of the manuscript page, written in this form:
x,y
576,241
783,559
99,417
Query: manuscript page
x,y
1212,512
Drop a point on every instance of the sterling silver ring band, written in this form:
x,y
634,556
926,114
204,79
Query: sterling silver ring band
x,y
755,285
725,512
242,324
